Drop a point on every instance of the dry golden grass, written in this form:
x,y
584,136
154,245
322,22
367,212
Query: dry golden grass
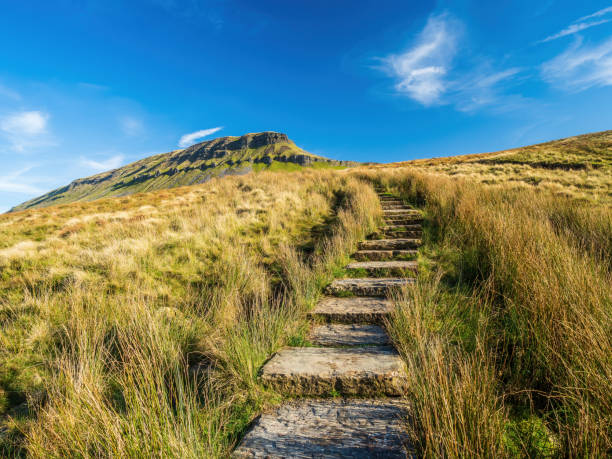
x,y
513,348
577,167
135,326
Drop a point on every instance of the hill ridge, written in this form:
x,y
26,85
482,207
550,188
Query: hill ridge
x,y
228,155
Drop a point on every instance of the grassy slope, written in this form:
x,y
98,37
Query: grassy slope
x,y
106,304
508,334
135,326
579,167
174,169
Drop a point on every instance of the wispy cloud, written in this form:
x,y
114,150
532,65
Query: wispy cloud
x,y
25,129
15,182
100,166
597,14
484,87
580,67
574,28
421,70
9,93
580,24
190,139
131,126
426,72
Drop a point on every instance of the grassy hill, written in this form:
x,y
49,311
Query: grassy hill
x,y
579,167
136,326
189,166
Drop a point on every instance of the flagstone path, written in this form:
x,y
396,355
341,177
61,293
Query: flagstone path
x,y
351,356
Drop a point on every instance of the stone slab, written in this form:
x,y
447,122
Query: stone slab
x,y
348,335
401,212
403,234
409,227
367,286
363,371
410,219
364,255
358,428
389,244
380,265
393,206
352,310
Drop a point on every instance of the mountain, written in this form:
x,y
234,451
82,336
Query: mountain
x,y
195,164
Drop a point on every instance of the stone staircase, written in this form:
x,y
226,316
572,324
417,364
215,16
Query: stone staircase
x,y
351,356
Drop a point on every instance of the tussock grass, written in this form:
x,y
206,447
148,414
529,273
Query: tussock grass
x,y
543,261
136,326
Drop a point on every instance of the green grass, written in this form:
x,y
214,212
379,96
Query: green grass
x,y
181,168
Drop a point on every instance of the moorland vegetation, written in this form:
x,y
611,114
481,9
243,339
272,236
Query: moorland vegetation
x,y
137,325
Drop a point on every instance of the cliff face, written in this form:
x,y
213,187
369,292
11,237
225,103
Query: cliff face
x,y
194,164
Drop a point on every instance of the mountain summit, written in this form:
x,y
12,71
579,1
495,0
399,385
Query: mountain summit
x,y
195,164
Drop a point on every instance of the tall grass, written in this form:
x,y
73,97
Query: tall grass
x,y
545,262
143,321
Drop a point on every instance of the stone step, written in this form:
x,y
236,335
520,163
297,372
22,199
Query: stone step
x,y
330,428
355,310
402,212
405,221
384,265
385,200
411,227
369,370
367,286
381,255
390,244
386,206
411,234
348,335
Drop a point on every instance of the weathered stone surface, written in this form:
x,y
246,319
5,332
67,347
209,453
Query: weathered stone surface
x,y
403,234
394,206
367,286
380,255
401,212
380,265
364,371
348,335
390,244
330,429
352,310
409,227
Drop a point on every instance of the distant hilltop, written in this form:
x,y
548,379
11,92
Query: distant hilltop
x,y
195,164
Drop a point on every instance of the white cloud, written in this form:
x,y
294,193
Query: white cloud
x,y
580,67
131,126
420,71
579,25
25,123
597,14
190,139
100,166
25,130
13,183
574,28
485,87
427,72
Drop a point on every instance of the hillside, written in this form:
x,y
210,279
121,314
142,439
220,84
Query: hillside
x,y
578,167
195,164
138,326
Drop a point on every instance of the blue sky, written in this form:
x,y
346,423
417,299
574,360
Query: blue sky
x,y
90,85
